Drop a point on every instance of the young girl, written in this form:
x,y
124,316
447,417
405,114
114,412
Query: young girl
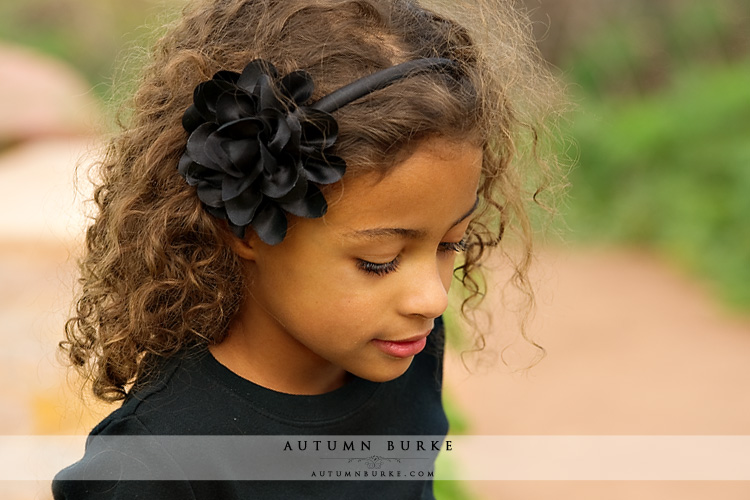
x,y
279,224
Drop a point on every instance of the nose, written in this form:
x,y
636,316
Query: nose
x,y
425,294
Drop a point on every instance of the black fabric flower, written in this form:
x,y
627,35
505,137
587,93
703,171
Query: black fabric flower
x,y
255,152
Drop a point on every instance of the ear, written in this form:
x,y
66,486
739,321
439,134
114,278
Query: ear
x,y
245,247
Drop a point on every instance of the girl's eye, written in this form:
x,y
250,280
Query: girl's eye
x,y
453,247
378,269
381,269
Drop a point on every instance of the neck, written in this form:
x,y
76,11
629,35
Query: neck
x,y
261,352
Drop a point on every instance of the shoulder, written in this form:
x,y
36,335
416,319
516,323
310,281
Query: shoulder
x,y
125,420
122,459
158,404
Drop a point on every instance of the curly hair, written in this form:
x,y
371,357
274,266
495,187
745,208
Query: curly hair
x,y
158,274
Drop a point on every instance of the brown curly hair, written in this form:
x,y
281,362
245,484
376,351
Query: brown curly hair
x,y
158,274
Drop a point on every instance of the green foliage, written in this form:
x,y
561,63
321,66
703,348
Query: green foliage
x,y
672,171
663,134
451,490
91,35
458,422
640,45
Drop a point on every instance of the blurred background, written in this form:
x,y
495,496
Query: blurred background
x,y
643,294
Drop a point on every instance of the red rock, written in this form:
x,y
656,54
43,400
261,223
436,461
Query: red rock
x,y
42,97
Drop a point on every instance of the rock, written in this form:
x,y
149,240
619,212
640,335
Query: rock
x,y
42,97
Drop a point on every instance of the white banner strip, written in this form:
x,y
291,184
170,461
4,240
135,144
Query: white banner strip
x,y
594,458
600,458
37,458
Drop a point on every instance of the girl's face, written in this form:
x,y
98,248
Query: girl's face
x,y
359,289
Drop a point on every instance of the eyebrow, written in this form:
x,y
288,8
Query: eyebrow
x,y
382,232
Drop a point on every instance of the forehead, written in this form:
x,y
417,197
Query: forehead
x,y
438,182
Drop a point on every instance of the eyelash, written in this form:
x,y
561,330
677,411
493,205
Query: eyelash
x,y
378,269
455,247
381,269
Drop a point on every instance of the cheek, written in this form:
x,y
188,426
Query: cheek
x,y
324,298
290,290
352,308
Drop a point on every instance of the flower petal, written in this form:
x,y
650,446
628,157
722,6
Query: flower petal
x,y
241,147
235,106
195,173
268,97
240,210
226,76
298,191
217,212
278,179
246,128
197,147
277,124
192,118
244,155
270,223
206,95
210,194
233,186
252,73
185,166
312,205
324,169
319,129
216,153
292,121
298,85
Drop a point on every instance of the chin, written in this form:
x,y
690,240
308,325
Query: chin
x,y
385,372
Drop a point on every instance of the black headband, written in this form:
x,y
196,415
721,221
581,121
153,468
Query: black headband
x,y
379,80
254,157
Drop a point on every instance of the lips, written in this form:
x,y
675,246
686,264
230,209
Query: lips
x,y
403,348
414,338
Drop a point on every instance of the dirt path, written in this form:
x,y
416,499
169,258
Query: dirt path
x,y
632,348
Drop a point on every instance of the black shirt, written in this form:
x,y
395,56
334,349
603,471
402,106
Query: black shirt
x,y
193,394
